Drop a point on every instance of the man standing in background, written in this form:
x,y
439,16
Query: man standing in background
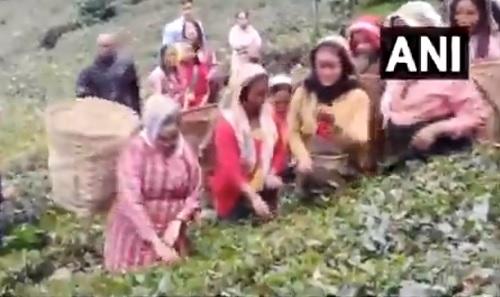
x,y
172,32
110,76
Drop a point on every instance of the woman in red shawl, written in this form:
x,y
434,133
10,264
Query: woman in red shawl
x,y
249,156
364,41
159,181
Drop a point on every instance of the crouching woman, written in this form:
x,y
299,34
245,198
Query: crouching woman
x,y
329,113
159,181
426,117
248,155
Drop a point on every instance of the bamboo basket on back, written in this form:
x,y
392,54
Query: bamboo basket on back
x,y
197,127
486,76
85,138
374,87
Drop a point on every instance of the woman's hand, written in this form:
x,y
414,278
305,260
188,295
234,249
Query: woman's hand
x,y
424,138
305,165
168,254
172,232
260,206
273,182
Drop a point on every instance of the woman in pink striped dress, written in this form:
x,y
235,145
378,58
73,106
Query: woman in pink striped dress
x,y
159,182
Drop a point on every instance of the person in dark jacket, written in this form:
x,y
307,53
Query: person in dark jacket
x,y
110,76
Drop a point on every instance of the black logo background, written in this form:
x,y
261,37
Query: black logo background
x,y
413,35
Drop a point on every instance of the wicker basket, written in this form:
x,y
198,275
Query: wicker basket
x,y
197,127
329,168
486,75
196,123
84,139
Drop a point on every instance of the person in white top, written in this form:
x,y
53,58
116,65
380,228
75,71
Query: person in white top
x,y
172,33
245,41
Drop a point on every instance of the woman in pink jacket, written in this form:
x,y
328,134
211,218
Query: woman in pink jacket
x,y
431,116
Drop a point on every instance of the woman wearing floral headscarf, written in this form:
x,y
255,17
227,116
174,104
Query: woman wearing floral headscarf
x,y
477,16
159,181
248,155
329,113
431,116
364,42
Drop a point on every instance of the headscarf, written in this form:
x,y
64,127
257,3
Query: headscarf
x,y
368,24
158,110
417,14
414,14
347,82
234,113
280,79
483,34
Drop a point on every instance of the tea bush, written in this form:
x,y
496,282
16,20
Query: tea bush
x,y
94,11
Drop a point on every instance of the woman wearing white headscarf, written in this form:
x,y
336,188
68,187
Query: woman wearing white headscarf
x,y
159,180
248,154
430,116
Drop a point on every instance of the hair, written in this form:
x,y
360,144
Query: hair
x,y
245,12
345,83
164,66
280,87
246,89
199,43
483,27
186,2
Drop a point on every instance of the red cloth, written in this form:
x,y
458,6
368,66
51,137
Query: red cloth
x,y
201,88
229,173
280,161
152,191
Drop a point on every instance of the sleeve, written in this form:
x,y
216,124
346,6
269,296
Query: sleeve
x,y
83,85
296,142
228,155
470,110
129,172
134,90
233,39
155,83
169,33
193,200
280,152
257,39
358,127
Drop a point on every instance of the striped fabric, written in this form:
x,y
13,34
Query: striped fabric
x,y
152,191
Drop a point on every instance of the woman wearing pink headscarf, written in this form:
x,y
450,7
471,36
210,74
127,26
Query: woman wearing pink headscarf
x,y
364,41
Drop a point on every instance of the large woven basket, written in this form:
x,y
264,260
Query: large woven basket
x,y
374,87
197,126
84,139
486,75
196,123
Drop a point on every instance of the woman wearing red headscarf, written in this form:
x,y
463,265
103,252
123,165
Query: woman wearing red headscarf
x,y
364,41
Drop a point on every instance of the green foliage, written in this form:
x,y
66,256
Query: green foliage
x,y
418,231
94,11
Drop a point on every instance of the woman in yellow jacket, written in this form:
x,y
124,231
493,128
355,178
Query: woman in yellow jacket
x,y
329,113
